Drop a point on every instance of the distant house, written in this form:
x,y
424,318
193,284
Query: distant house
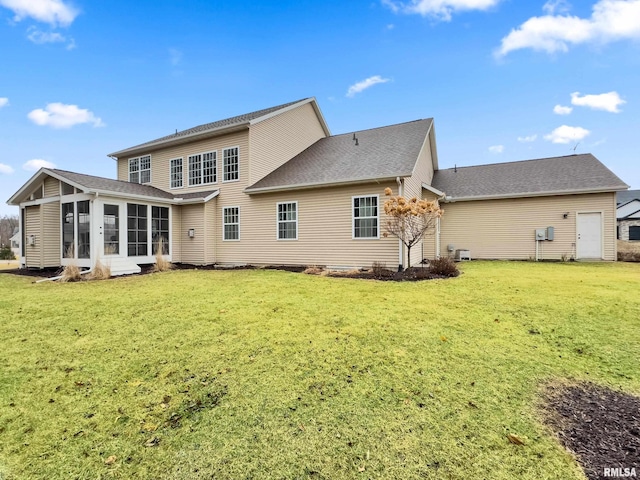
x,y
628,215
14,241
275,187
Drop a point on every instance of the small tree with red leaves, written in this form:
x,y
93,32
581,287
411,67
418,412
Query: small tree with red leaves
x,y
410,220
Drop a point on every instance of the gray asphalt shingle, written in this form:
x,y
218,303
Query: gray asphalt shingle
x,y
102,184
381,153
625,197
572,173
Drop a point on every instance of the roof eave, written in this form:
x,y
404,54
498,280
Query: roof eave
x,y
433,190
188,201
452,199
307,186
138,149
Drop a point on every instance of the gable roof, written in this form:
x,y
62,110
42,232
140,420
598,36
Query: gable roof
x,y
219,127
109,186
627,196
380,153
545,176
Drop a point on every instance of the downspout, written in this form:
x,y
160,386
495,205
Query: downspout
x,y
400,244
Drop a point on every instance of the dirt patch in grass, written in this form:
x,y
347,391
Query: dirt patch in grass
x,y
600,426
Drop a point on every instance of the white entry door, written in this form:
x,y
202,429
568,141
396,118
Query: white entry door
x,y
589,227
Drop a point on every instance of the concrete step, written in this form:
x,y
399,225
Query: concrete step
x,y
121,266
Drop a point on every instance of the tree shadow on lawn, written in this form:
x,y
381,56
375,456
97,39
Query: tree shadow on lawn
x,y
600,426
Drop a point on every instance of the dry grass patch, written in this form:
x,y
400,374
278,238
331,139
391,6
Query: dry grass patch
x,y
628,251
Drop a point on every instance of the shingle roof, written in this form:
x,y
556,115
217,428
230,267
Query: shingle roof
x,y
384,152
102,184
625,197
572,173
227,122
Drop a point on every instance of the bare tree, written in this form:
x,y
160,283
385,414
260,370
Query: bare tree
x,y
410,220
8,225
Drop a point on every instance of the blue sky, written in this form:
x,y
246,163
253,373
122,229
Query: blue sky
x,y
505,80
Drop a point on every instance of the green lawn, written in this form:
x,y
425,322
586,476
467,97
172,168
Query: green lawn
x,y
268,374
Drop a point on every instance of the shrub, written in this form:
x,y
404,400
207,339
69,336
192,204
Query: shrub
x,y
380,269
70,273
7,254
444,266
100,271
161,264
313,270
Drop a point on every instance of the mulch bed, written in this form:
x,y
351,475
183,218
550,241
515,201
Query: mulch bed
x,y
600,426
408,275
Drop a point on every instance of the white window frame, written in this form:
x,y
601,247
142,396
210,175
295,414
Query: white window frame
x,y
224,224
353,217
278,221
171,166
139,170
201,169
224,173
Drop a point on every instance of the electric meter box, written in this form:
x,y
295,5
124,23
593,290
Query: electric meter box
x,y
541,234
550,232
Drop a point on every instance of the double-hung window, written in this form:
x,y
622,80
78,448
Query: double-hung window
x,y
287,221
231,223
140,169
175,172
230,164
365,217
202,169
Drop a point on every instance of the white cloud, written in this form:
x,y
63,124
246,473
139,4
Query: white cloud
x,y
611,20
566,134
438,9
496,148
4,101
528,138
37,164
6,169
562,110
59,115
40,37
608,102
53,12
556,6
364,84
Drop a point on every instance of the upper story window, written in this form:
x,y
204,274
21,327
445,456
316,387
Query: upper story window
x,y
175,172
230,165
203,169
140,169
365,217
288,221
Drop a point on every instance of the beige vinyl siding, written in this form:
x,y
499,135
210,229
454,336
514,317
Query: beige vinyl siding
x,y
422,173
210,222
178,234
33,226
324,230
51,224
430,240
278,139
504,229
160,162
51,187
123,169
192,249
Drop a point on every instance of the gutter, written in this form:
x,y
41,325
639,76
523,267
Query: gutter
x,y
305,186
451,199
